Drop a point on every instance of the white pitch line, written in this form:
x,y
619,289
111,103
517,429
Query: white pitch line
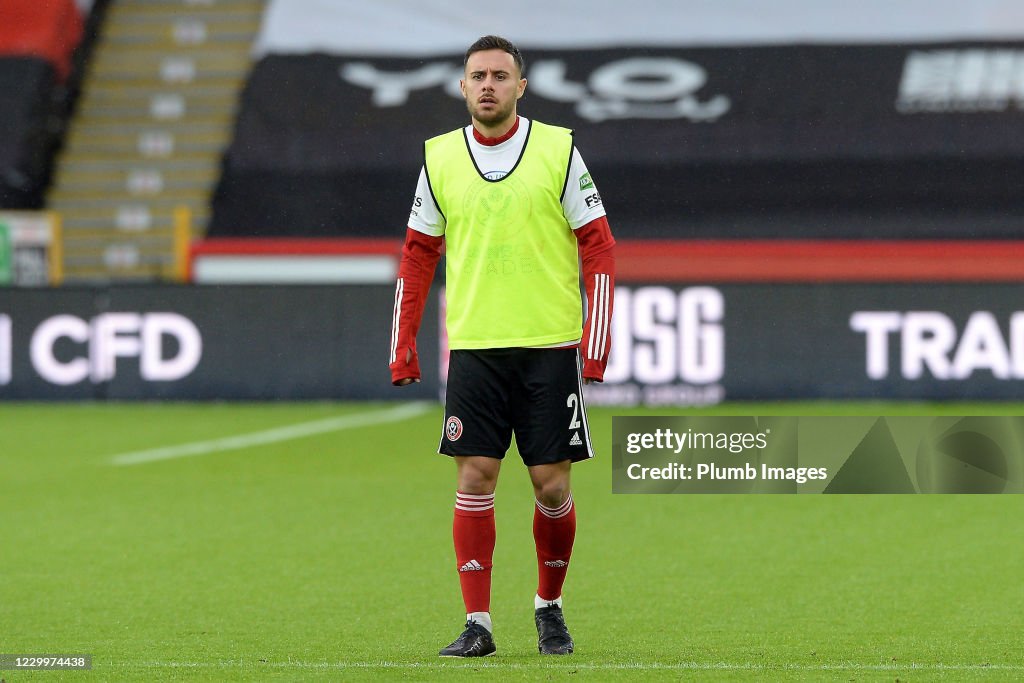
x,y
594,666
296,431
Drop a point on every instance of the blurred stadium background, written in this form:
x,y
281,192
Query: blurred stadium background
x,y
815,203
822,202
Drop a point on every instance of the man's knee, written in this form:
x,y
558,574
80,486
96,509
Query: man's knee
x,y
551,483
477,474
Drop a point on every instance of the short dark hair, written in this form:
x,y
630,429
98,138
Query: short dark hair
x,y
496,43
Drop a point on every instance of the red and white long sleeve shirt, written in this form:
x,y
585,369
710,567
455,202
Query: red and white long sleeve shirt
x,y
585,214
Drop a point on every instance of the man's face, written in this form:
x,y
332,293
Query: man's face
x,y
491,86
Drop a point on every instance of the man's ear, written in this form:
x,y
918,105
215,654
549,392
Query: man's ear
x,y
522,88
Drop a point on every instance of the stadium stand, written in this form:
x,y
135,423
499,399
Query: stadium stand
x,y
133,180
900,122
42,45
209,119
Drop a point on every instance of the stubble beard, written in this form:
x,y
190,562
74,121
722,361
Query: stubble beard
x,y
495,118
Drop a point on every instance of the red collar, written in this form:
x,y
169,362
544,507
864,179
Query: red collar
x,y
490,142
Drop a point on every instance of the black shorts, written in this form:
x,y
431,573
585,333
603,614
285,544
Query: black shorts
x,y
536,394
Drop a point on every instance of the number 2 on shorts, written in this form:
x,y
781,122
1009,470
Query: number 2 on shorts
x,y
574,402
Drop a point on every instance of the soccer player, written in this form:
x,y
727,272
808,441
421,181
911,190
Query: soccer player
x,y
517,211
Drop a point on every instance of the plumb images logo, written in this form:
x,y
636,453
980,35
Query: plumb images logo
x,y
972,455
952,454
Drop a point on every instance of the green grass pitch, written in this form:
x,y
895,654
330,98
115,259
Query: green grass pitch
x,y
326,554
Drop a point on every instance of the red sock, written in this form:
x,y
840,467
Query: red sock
x,y
554,530
473,531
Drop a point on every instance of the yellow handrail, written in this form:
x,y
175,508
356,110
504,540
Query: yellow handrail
x,y
182,240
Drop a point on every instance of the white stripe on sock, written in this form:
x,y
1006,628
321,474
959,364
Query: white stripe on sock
x,y
474,506
558,512
473,502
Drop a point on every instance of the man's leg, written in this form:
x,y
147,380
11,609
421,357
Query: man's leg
x,y
551,430
554,530
477,434
473,533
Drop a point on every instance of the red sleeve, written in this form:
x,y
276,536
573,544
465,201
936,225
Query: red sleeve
x,y
420,255
597,251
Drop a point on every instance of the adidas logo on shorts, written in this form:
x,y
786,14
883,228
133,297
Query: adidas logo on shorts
x,y
575,440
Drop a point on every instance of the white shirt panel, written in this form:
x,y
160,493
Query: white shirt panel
x,y
581,202
424,215
495,161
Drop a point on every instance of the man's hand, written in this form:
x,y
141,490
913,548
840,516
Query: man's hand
x,y
407,380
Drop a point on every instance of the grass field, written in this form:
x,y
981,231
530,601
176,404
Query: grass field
x,y
229,542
